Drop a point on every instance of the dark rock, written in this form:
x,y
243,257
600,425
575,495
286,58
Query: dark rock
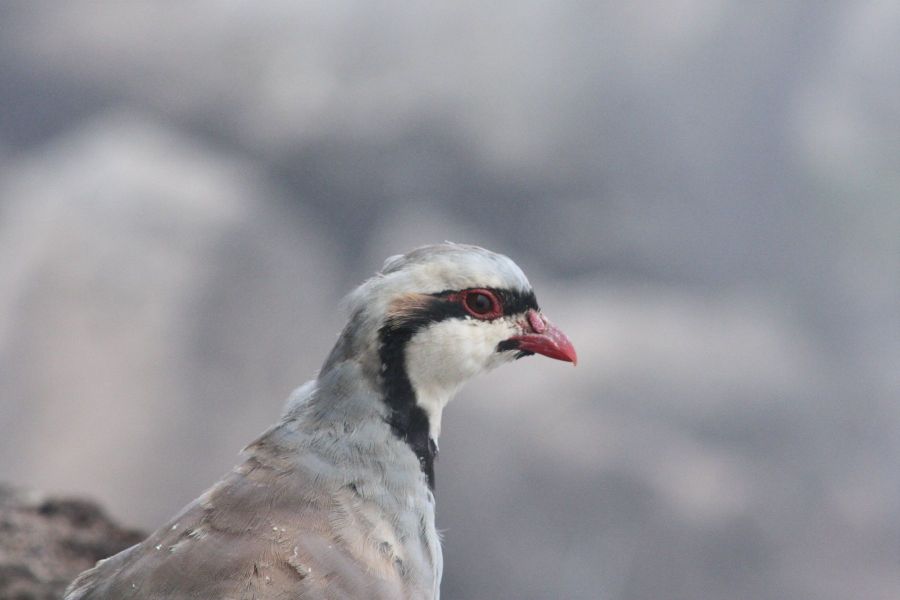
x,y
45,541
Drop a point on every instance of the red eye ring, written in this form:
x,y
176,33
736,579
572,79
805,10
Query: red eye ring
x,y
481,304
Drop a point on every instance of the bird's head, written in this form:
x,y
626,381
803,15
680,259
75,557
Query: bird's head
x,y
434,318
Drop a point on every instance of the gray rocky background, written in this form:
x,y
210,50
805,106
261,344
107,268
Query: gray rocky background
x,y
705,193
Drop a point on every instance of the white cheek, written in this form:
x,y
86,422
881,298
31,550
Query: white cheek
x,y
452,351
443,356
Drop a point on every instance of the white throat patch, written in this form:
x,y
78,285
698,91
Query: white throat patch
x,y
443,356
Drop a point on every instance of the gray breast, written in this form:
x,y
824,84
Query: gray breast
x,y
322,507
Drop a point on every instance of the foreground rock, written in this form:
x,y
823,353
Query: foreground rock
x,y
45,541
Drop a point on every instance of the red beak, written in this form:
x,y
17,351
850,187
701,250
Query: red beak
x,y
546,339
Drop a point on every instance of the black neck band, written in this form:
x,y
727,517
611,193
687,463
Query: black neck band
x,y
408,420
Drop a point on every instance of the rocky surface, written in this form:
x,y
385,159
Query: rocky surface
x,y
45,541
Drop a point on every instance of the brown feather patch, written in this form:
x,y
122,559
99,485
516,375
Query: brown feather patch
x,y
407,307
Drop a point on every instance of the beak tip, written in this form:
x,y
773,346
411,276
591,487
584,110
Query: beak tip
x,y
550,342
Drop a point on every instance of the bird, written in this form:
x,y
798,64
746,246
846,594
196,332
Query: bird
x,y
336,500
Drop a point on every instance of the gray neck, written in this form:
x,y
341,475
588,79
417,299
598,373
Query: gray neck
x,y
382,367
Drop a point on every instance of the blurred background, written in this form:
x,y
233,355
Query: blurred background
x,y
703,192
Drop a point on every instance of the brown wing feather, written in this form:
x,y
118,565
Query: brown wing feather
x,y
257,534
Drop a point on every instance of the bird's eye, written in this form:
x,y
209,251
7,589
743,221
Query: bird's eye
x,y
481,304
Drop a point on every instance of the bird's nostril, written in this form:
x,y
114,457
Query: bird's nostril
x,y
536,321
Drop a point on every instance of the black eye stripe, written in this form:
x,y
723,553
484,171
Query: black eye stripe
x,y
442,307
512,301
516,301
